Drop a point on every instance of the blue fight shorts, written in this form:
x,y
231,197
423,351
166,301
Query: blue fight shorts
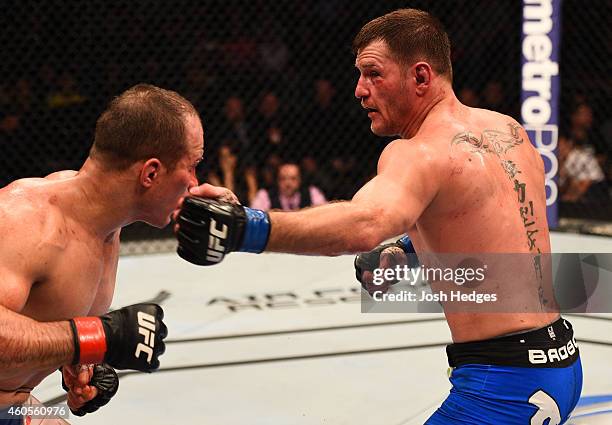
x,y
531,378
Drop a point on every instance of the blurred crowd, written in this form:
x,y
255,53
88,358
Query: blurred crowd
x,y
249,141
252,141
273,87
585,162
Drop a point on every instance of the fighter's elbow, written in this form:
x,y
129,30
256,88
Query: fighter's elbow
x,y
367,243
373,230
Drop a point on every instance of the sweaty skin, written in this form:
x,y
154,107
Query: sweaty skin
x,y
59,253
53,266
459,180
477,209
450,198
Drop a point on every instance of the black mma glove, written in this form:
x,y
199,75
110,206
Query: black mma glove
x,y
105,379
128,338
399,253
210,229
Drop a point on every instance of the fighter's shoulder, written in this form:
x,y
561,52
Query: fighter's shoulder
x,y
506,122
29,191
491,115
490,119
495,114
32,232
26,208
420,150
60,175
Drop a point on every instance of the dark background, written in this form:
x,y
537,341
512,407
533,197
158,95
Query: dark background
x,y
62,61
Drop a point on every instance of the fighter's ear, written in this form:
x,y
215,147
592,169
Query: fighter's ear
x,y
422,74
150,172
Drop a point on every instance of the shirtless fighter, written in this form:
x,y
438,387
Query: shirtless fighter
x,y
459,180
59,251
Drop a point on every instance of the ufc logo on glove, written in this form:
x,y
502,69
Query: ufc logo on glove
x,y
146,327
207,230
215,248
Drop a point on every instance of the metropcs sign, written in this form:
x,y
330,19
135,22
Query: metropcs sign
x,y
540,88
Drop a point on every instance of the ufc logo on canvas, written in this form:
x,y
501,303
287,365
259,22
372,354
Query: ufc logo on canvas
x,y
215,249
146,328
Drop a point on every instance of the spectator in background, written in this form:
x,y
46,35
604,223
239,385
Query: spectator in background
x,y
325,94
289,193
273,53
268,128
313,174
581,122
324,113
344,173
234,125
268,170
238,177
318,145
581,178
328,145
582,131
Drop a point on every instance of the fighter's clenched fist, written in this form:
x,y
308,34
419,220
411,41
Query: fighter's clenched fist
x,y
128,338
207,230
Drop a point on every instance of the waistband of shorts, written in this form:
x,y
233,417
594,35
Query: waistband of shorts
x,y
551,346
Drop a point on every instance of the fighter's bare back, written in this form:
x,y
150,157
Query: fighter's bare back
x,y
490,199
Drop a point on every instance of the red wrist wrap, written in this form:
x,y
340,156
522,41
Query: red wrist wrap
x,y
91,339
